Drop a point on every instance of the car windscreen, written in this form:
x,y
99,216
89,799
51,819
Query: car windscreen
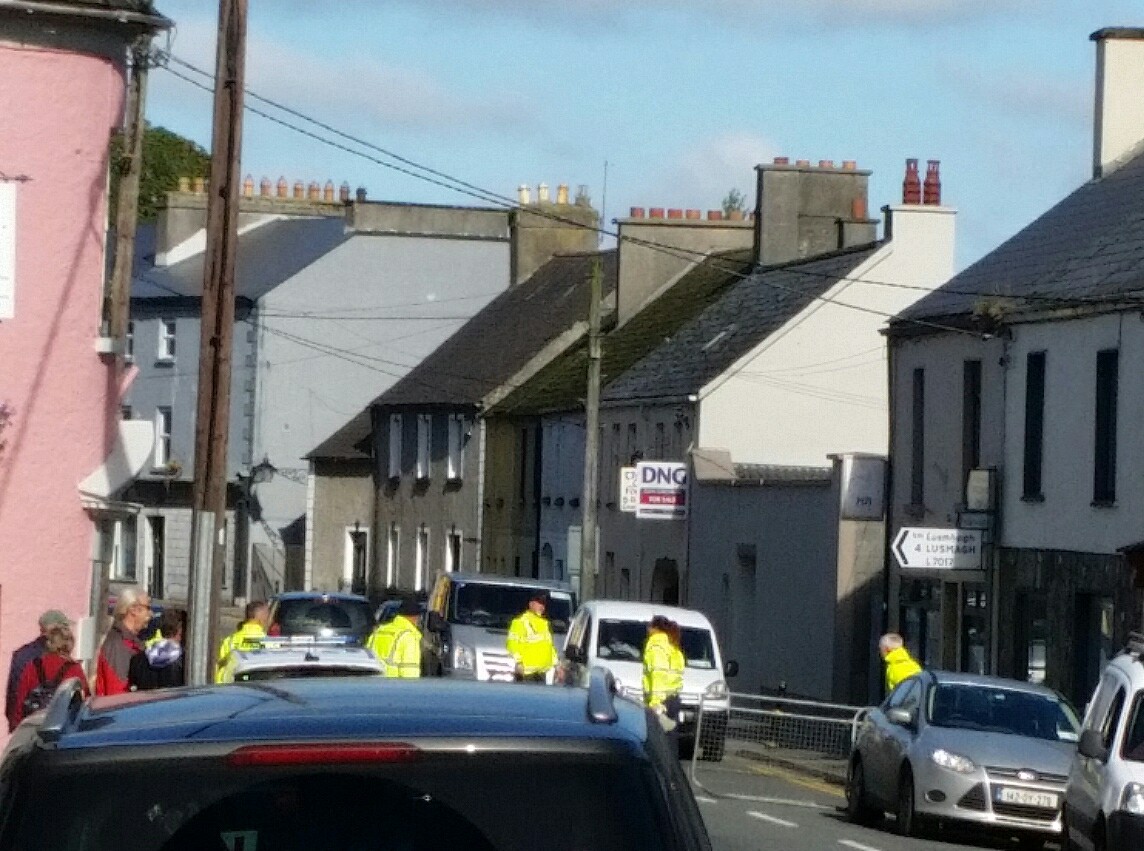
x,y
971,706
624,640
322,616
495,606
483,804
296,671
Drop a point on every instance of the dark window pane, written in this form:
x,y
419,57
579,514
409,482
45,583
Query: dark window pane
x,y
1034,423
917,458
1104,464
970,418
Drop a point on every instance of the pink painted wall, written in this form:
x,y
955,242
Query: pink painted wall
x,y
59,108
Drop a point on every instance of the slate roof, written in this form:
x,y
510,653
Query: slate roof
x,y
267,256
560,386
1090,246
489,349
742,316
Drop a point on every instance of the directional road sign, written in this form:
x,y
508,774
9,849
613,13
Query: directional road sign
x,y
938,549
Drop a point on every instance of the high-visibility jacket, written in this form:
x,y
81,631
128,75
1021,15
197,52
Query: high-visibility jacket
x,y
678,662
660,681
397,643
530,644
899,666
249,636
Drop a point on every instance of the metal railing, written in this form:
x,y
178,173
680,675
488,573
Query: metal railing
x,y
756,728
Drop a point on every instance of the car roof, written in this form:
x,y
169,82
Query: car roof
x,y
348,709
316,655
319,595
626,610
517,581
988,681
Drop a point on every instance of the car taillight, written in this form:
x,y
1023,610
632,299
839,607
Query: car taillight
x,y
322,753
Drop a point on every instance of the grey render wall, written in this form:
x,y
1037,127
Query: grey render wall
x,y
320,362
775,618
343,496
439,505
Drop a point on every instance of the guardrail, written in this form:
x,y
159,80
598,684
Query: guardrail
x,y
766,728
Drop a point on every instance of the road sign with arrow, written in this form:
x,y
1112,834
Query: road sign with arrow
x,y
938,549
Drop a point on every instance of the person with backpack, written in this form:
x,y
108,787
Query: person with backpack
x,y
43,675
24,655
161,665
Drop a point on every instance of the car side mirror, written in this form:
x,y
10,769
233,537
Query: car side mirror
x,y
434,621
901,717
731,669
1092,745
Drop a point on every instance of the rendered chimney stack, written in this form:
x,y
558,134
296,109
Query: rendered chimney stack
x,y
524,194
248,187
542,193
562,193
931,188
912,184
1118,114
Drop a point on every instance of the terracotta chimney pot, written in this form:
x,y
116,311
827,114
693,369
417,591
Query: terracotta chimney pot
x,y
524,194
248,187
344,192
200,185
562,193
655,213
283,187
735,215
694,214
912,184
328,192
264,187
715,215
314,191
636,213
803,163
782,160
184,184
826,163
675,213
299,190
932,186
850,165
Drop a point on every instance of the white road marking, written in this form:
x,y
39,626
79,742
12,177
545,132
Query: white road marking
x,y
785,802
857,846
705,800
771,819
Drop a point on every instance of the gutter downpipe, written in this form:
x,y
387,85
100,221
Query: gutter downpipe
x,y
480,493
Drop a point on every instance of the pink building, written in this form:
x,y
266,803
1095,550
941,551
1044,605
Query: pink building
x,y
65,454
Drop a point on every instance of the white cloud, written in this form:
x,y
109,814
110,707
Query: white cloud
x,y
1024,93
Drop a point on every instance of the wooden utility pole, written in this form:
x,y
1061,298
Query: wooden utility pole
x,y
588,546
208,529
127,203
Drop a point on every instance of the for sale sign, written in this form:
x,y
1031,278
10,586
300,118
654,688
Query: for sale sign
x,y
629,490
662,490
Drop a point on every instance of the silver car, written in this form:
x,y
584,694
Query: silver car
x,y
958,747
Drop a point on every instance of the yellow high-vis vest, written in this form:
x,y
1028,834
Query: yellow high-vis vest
x,y
530,644
397,644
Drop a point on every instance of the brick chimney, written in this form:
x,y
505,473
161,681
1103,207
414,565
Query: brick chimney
x,y
803,210
1118,114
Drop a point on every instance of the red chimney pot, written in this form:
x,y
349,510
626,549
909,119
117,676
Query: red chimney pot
x,y
803,163
932,185
694,214
675,213
850,165
637,213
782,160
715,215
655,213
912,184
826,163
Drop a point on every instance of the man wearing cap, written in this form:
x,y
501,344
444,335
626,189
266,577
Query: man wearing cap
x,y
530,642
397,642
24,655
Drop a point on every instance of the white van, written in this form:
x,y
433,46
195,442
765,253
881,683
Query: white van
x,y
611,634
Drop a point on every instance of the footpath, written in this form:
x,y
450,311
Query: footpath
x,y
831,769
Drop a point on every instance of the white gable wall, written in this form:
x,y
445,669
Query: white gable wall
x,y
819,384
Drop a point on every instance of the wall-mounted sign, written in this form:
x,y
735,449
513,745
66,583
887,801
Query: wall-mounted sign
x,y
629,489
863,488
938,549
662,490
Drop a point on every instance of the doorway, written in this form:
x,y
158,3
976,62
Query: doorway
x,y
665,582
355,566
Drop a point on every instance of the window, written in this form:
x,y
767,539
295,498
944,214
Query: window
x,y
166,339
129,342
917,455
395,446
612,474
453,551
391,556
660,441
123,563
424,429
1034,424
1112,720
162,436
1104,464
522,456
456,461
422,557
630,455
970,418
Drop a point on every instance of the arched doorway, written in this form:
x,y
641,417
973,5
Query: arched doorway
x,y
665,582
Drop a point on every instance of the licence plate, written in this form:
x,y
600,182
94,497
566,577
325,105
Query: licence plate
x,y
1027,798
501,678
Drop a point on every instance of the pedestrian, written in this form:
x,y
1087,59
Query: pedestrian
x,y
677,663
530,642
250,634
397,642
132,612
900,665
43,675
162,664
25,654
659,678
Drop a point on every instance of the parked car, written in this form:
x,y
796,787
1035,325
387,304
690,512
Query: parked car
x,y
986,751
1104,801
299,660
362,762
611,634
467,620
330,617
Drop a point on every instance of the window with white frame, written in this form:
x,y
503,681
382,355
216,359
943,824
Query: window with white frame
x,y
129,342
394,446
420,579
424,428
166,339
456,447
123,541
162,436
391,558
453,551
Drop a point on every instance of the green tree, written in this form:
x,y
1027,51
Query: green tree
x,y
167,156
734,201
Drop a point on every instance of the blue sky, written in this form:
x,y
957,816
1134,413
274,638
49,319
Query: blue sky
x,y
681,98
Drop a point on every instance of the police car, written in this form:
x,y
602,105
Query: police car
x,y
291,660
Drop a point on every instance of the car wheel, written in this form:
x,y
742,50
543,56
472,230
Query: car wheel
x,y
858,808
909,822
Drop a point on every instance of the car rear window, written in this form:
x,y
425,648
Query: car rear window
x,y
295,671
623,641
490,805
968,706
317,616
496,606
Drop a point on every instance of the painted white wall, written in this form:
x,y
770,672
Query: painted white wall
x,y
1067,520
818,385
